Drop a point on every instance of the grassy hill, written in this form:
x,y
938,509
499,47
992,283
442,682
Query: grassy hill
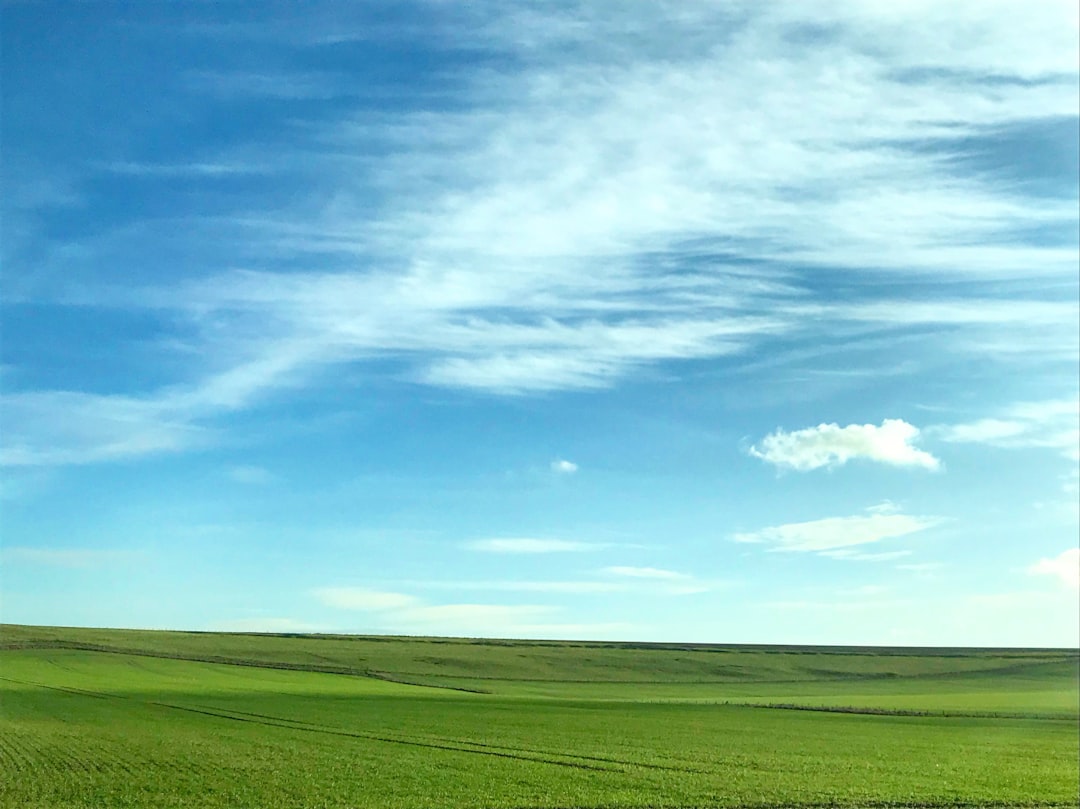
x,y
94,717
1016,680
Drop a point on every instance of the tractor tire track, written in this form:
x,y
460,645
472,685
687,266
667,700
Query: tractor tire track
x,y
293,725
451,740
411,742
580,761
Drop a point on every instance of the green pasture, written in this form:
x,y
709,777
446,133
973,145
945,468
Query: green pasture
x,y
108,718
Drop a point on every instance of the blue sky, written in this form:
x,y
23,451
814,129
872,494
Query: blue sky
x,y
727,322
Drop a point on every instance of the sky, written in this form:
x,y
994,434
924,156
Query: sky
x,y
727,322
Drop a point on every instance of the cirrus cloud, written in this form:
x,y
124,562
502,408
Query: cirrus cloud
x,y
361,598
401,613
1050,424
836,536
503,233
528,545
644,572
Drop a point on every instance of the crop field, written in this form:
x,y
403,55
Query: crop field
x,y
117,718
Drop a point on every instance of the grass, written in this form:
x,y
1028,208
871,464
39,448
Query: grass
x,y
110,718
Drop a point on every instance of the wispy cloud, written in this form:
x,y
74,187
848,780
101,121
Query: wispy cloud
x,y
281,84
645,573
400,612
591,216
829,445
474,614
838,536
614,582
49,428
67,557
197,169
57,428
576,586
360,598
863,556
561,466
1053,424
655,580
1065,567
530,545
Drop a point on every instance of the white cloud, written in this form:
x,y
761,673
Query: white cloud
x,y
572,586
360,598
529,545
561,466
1065,566
401,613
884,507
60,427
651,583
48,428
540,232
1050,424
585,586
834,536
983,431
833,445
644,572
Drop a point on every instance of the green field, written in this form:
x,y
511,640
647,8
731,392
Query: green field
x,y
104,718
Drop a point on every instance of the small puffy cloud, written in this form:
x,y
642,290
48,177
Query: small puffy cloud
x,y
528,545
835,536
360,598
561,466
644,572
832,445
1065,566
